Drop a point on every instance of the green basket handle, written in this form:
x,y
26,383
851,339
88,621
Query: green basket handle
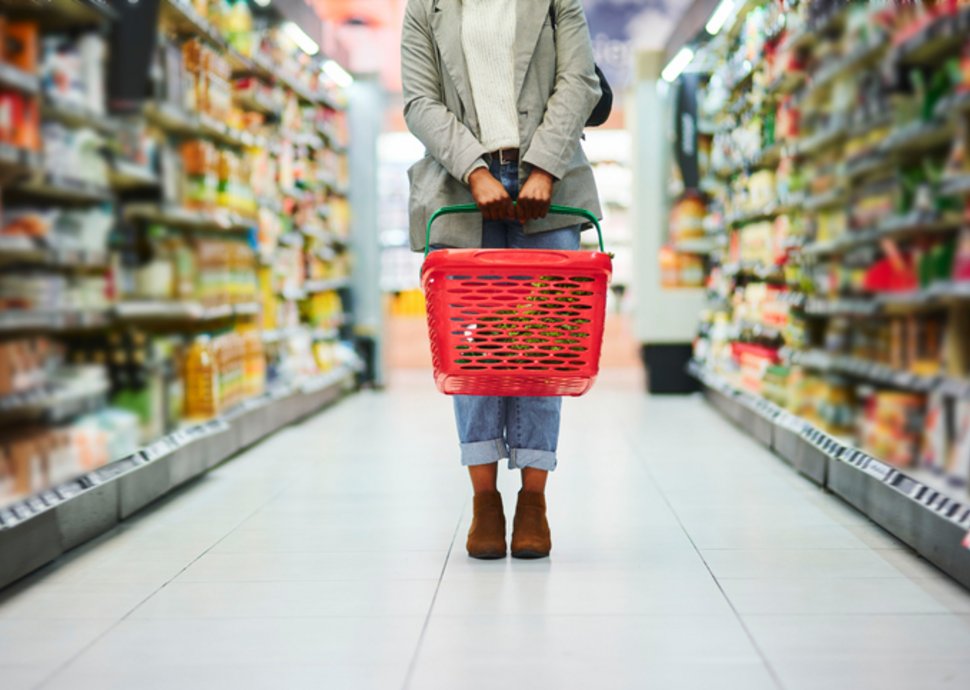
x,y
472,208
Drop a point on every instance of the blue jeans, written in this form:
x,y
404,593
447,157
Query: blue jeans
x,y
523,429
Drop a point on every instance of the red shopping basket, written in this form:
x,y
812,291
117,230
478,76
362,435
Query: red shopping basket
x,y
515,321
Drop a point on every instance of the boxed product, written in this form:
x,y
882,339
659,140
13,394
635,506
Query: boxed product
x,y
890,427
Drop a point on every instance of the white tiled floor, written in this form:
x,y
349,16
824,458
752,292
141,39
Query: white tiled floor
x,y
332,556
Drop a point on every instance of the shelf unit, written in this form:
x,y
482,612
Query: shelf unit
x,y
40,528
298,226
915,506
833,175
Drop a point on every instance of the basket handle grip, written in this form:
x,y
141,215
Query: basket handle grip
x,y
472,208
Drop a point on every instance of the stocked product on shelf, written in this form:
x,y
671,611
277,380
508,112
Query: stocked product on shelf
x,y
19,109
23,364
35,458
837,192
161,264
221,372
408,303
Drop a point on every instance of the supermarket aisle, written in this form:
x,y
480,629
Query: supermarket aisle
x,y
332,556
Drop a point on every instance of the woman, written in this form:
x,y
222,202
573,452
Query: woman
x,y
498,91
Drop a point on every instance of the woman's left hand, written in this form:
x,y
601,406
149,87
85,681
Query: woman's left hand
x,y
535,196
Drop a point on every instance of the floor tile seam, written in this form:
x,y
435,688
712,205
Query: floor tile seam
x,y
63,666
253,617
412,665
646,616
287,581
807,548
814,578
644,465
873,614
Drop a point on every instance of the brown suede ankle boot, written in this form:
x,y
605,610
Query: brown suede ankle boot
x,y
486,538
530,529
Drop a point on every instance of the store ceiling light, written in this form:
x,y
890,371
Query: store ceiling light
x,y
338,74
721,14
263,3
678,63
299,36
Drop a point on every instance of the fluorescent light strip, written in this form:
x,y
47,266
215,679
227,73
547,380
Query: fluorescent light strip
x,y
263,3
677,64
299,36
720,16
337,74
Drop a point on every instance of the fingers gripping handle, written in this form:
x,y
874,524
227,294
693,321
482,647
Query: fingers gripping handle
x,y
472,208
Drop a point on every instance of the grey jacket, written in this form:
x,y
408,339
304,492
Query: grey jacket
x,y
557,90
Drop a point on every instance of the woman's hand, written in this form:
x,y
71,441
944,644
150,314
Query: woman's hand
x,y
535,196
490,196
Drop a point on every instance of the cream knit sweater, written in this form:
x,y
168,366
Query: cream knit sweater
x,y
488,41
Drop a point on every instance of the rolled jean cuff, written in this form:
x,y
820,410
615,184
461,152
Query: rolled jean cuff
x,y
536,459
483,452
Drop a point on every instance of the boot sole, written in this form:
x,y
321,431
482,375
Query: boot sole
x,y
488,555
530,555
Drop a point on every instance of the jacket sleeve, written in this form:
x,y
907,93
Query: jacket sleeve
x,y
575,93
449,141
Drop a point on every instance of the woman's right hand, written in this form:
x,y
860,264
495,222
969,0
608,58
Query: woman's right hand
x,y
490,196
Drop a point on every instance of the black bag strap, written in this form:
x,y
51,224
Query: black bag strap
x,y
601,112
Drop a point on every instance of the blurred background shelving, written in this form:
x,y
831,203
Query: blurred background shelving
x,y
175,230
834,165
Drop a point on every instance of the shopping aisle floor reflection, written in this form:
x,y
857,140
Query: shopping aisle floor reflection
x,y
332,556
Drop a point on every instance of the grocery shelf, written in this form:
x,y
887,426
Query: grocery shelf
x,y
190,219
126,176
737,21
744,217
176,121
919,137
165,310
292,294
315,334
753,270
326,285
900,226
13,320
75,115
803,37
921,513
873,372
25,250
61,14
861,56
866,164
290,239
40,528
816,306
53,187
956,185
327,101
311,141
788,81
184,18
826,199
695,246
942,36
895,227
53,403
822,140
935,296
953,105
257,104
17,79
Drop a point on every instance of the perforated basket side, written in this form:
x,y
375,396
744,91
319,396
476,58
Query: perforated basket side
x,y
527,330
